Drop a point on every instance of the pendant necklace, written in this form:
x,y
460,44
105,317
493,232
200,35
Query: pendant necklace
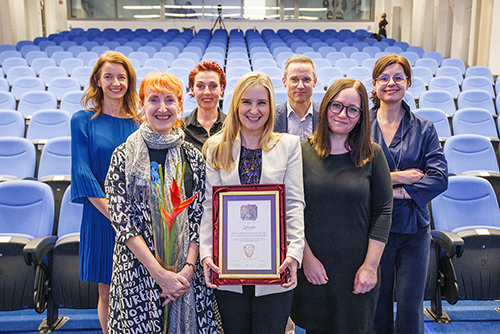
x,y
396,169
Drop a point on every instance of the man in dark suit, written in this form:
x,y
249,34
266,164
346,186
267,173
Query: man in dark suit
x,y
299,114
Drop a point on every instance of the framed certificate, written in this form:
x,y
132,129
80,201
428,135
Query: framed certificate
x,y
249,233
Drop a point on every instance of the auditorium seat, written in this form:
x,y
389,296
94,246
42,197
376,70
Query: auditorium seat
x,y
82,74
479,83
27,211
470,153
17,158
13,62
71,102
423,73
437,56
476,99
36,100
411,56
359,73
20,72
481,71
469,208
11,123
70,63
40,63
454,62
62,85
51,72
439,119
450,71
417,49
438,99
445,83
430,63
7,101
61,287
27,85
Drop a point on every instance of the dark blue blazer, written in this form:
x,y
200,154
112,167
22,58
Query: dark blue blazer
x,y
281,121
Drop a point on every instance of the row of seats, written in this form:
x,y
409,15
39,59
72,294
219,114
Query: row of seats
x,y
32,101
39,256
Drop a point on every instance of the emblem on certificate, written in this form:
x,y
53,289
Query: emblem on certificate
x,y
249,233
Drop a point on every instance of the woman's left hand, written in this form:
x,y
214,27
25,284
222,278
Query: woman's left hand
x,y
292,265
365,279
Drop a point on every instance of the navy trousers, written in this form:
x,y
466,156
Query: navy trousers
x,y
404,267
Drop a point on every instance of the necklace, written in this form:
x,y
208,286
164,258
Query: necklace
x,y
396,164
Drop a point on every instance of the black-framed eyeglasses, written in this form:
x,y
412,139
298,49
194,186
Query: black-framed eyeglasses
x,y
398,78
336,107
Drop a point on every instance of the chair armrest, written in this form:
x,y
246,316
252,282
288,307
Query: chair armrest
x,y
36,249
450,242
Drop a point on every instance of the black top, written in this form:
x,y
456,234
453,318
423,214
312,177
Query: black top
x,y
381,27
196,133
346,206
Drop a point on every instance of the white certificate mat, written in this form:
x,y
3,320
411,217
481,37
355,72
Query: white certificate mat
x,y
249,236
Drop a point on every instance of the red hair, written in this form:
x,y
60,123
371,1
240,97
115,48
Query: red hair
x,y
206,66
162,83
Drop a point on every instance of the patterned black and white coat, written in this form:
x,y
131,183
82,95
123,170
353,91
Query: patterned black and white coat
x,y
135,303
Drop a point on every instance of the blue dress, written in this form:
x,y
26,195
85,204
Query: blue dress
x,y
92,144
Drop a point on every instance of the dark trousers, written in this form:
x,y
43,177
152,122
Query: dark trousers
x,y
243,313
405,260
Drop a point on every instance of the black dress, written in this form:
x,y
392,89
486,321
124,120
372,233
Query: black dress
x,y
381,27
345,207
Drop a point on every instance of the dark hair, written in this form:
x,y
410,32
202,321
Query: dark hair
x,y
381,65
358,142
206,66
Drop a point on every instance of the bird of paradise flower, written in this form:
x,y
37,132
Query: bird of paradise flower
x,y
165,247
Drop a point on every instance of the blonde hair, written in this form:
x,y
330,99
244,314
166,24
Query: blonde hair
x,y
162,83
221,150
93,97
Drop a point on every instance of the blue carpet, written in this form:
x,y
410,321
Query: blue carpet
x,y
468,317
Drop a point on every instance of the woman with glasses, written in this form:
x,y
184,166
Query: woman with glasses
x,y
347,217
418,174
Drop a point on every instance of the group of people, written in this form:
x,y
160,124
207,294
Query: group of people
x,y
357,183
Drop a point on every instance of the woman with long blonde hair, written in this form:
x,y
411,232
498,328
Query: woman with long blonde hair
x,y
247,151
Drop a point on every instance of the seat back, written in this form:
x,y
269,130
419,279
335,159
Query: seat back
x,y
455,62
27,85
476,99
7,101
445,83
474,121
13,62
60,86
423,73
51,72
49,123
20,72
26,209
38,100
71,102
450,71
470,153
430,63
11,123
438,99
70,63
468,203
437,56
481,71
438,118
56,158
40,63
479,83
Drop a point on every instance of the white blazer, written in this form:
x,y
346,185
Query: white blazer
x,y
282,164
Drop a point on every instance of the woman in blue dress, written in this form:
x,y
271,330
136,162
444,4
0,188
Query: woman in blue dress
x,y
109,117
